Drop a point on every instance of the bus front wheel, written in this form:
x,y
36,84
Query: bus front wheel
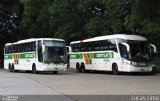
x,y
78,67
34,69
115,69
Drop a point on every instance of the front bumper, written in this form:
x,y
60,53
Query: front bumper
x,y
50,67
140,69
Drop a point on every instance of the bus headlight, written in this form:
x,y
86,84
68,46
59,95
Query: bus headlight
x,y
133,63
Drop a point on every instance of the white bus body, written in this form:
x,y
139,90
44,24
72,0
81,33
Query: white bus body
x,y
120,52
37,54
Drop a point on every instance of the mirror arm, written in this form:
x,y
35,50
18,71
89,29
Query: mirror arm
x,y
43,49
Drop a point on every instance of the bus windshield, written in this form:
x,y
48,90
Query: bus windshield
x,y
139,50
54,51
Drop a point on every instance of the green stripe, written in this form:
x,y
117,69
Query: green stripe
x,y
22,55
104,55
27,56
16,56
95,55
75,56
88,55
90,61
8,56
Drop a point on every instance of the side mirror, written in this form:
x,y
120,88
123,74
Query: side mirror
x,y
43,49
153,48
68,48
128,48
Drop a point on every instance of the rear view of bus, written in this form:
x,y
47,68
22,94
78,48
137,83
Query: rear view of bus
x,y
40,54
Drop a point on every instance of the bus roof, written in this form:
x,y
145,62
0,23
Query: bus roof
x,y
34,39
122,36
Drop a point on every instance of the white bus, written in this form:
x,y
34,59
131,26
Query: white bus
x,y
116,53
36,54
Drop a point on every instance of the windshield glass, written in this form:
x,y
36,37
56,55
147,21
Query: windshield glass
x,y
55,54
139,50
54,51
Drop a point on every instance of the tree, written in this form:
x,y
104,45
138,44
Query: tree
x,y
10,22
67,20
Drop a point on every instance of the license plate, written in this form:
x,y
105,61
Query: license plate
x,y
141,70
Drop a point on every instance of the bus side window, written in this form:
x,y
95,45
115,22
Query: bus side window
x,y
97,46
15,49
9,49
33,46
73,48
89,47
6,49
19,48
104,45
112,45
23,48
83,47
29,47
80,47
76,47
12,49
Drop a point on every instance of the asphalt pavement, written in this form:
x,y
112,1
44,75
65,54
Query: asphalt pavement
x,y
16,87
72,86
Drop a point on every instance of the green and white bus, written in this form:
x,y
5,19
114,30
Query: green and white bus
x,y
36,54
116,53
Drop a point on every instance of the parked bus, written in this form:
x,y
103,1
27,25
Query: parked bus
x,y
116,53
37,54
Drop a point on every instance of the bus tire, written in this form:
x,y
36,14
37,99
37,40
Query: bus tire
x,y
34,70
10,68
55,72
14,69
82,68
115,69
78,67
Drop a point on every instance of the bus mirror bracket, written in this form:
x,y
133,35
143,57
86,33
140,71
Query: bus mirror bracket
x,y
125,44
154,48
43,49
